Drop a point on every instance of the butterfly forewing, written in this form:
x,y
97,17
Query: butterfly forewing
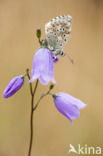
x,y
58,31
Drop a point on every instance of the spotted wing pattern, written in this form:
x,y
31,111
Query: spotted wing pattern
x,y
58,32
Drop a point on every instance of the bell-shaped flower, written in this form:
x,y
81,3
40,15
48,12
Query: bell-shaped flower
x,y
43,66
14,85
68,105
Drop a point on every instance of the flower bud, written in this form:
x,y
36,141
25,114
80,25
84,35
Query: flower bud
x,y
55,58
38,33
51,86
14,85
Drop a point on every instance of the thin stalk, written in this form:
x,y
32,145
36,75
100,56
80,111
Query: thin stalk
x,y
31,114
42,96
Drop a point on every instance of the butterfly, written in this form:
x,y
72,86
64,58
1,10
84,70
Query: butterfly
x,y
57,33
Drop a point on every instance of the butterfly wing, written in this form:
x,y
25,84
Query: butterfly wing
x,y
58,32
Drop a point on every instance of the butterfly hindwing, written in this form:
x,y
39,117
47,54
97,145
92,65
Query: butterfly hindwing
x,y
58,31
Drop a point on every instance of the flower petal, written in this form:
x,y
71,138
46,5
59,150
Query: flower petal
x,y
66,108
73,100
43,66
68,105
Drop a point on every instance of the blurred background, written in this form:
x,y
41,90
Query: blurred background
x,y
53,133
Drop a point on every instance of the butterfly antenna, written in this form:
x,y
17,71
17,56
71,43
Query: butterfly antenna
x,y
70,59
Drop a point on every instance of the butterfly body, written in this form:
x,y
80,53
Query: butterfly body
x,y
57,33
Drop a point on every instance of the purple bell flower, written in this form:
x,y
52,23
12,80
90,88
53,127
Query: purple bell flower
x,y
68,105
43,66
14,85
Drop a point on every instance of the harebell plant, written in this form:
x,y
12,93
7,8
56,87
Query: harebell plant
x,y
57,33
